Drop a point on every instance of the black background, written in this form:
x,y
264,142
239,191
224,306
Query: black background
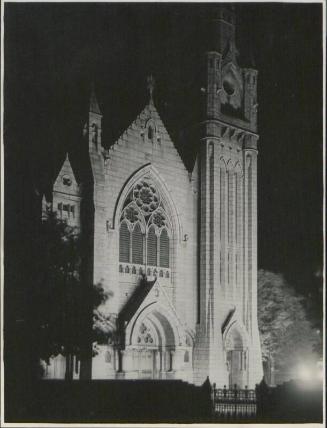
x,y
54,51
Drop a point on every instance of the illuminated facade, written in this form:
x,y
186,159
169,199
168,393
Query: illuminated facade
x,y
177,250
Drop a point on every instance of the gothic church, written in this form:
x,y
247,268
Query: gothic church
x,y
177,250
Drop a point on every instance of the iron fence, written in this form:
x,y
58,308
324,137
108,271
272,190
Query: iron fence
x,y
234,404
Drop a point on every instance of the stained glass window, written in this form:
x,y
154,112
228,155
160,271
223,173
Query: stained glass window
x,y
124,243
152,247
164,249
137,245
143,209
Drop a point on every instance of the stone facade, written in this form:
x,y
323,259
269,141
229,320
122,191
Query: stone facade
x,y
177,250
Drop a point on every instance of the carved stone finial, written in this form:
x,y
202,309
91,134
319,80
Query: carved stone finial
x,y
150,85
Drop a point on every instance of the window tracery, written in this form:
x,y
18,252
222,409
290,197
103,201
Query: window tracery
x,y
131,214
144,336
146,197
145,229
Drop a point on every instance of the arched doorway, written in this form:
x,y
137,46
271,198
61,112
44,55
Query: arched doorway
x,y
236,359
146,351
150,353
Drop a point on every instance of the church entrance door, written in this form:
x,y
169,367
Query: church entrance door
x,y
237,364
146,364
153,343
235,368
149,364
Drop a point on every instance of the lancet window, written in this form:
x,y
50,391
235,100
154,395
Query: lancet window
x,y
145,229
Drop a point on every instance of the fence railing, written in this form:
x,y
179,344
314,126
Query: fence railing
x,y
234,403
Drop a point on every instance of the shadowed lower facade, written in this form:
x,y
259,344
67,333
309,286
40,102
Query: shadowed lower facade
x,y
177,249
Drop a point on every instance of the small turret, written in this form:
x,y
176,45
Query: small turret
x,y
93,128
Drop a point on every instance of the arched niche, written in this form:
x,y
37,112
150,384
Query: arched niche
x,y
236,347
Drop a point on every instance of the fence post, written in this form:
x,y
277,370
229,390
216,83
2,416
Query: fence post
x,y
213,397
207,397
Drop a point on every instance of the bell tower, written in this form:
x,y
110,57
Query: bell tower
x,y
227,340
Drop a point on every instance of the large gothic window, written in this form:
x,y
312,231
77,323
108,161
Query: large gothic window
x,y
145,228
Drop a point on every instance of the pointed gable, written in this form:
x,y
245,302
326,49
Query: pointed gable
x,y
150,296
149,131
66,195
66,181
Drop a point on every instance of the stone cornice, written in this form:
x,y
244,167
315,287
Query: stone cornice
x,y
229,134
230,125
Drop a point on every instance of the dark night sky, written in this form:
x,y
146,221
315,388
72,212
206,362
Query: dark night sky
x,y
53,51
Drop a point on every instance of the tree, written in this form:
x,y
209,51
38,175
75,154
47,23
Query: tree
x,y
287,336
103,327
62,296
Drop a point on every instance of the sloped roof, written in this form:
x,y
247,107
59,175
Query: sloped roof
x,y
136,299
149,112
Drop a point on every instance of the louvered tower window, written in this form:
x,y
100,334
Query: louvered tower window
x,y
164,249
124,243
152,247
137,245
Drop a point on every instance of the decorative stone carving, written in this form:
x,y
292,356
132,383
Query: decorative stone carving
x,y
131,214
159,219
232,86
146,197
66,180
145,336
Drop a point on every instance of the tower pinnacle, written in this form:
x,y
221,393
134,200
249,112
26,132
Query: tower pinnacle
x,y
94,106
151,85
221,28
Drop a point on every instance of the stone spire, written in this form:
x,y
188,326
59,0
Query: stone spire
x,y
93,127
94,106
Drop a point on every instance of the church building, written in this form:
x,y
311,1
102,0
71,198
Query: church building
x,y
176,249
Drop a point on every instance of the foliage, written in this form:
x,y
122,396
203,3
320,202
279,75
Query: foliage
x,y
59,294
65,303
287,336
103,324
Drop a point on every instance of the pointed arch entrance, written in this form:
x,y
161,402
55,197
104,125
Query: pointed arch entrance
x,y
151,345
237,356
